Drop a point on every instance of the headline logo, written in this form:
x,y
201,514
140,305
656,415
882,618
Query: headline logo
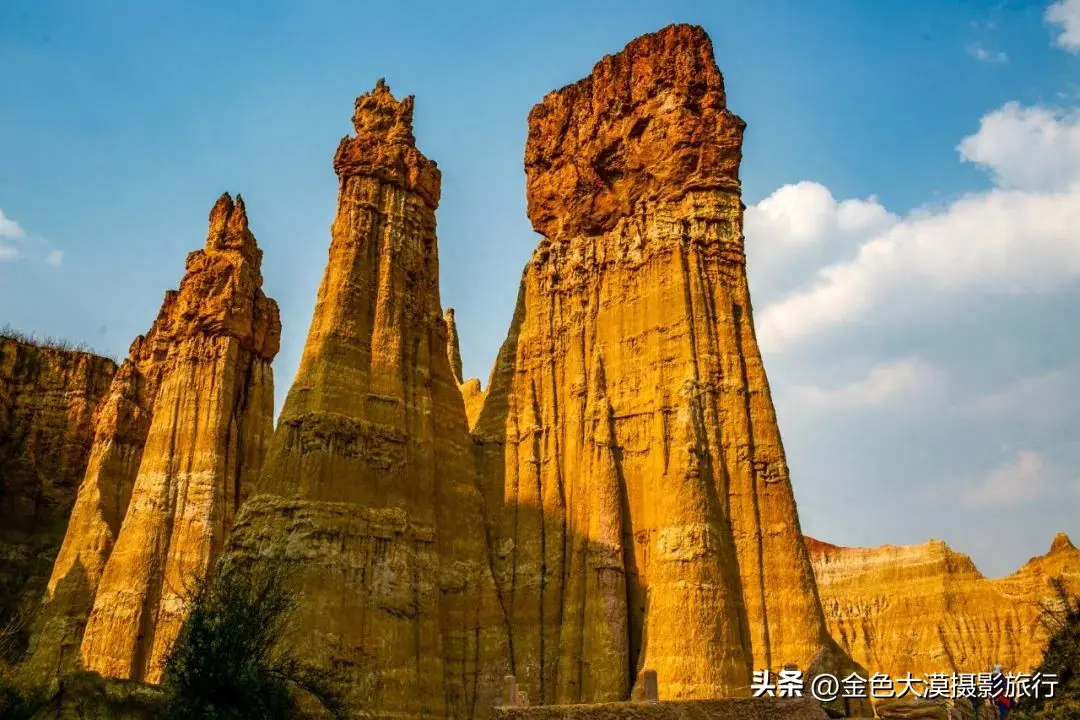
x,y
826,687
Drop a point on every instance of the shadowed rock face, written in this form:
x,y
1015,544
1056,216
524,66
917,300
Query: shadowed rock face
x,y
926,608
368,490
178,442
636,485
47,401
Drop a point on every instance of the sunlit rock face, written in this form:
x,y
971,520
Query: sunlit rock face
x,y
636,487
368,491
926,608
179,440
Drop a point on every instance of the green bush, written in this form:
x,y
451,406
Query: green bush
x,y
1062,658
226,663
18,705
15,703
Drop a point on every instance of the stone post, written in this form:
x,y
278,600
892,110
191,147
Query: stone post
x,y
652,688
510,693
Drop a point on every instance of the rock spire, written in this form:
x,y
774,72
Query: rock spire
x,y
178,442
636,485
453,345
368,490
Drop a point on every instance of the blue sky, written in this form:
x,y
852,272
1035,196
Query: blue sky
x,y
920,338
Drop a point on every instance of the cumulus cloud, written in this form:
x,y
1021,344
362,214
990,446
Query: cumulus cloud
x,y
1024,479
1018,237
1045,398
1028,148
981,54
1066,14
801,227
8,253
889,383
9,228
806,213
55,258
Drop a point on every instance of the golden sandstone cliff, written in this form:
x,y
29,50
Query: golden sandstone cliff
x,y
616,499
178,442
926,608
47,400
638,498
368,496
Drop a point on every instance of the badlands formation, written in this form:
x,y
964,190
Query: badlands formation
x,y
48,402
178,440
616,499
926,608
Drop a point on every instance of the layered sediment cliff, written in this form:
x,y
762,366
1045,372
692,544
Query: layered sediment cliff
x,y
178,442
47,401
638,495
926,608
368,494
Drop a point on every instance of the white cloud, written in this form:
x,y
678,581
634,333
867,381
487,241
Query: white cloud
x,y
9,228
8,253
806,214
1044,399
1019,237
1066,13
889,383
1027,148
981,54
1021,480
55,258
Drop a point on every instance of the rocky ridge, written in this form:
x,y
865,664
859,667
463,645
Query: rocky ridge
x,y
48,397
927,608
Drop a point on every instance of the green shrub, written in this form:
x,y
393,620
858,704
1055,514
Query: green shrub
x,y
1062,658
227,663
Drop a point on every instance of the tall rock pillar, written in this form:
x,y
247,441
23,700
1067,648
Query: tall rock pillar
x,y
212,420
628,447
179,442
368,491
453,345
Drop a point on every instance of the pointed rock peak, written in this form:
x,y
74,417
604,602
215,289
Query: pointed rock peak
x,y
453,345
380,116
238,221
229,227
1061,543
219,214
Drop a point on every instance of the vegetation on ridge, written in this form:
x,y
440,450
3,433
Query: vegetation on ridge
x,y
9,333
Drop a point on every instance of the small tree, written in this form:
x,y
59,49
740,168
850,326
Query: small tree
x,y
227,663
1062,658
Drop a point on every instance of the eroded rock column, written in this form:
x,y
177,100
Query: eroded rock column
x,y
179,442
368,491
628,450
